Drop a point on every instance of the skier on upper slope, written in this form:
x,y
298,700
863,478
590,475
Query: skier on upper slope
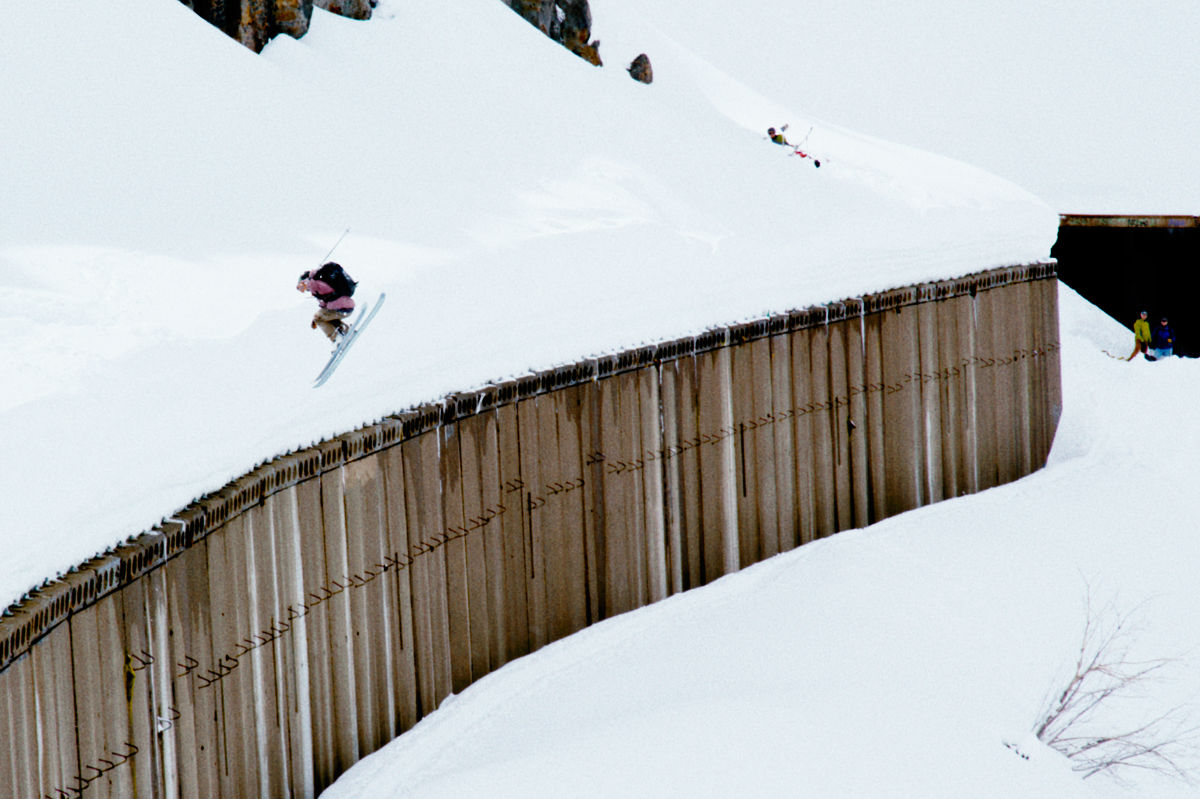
x,y
777,137
332,288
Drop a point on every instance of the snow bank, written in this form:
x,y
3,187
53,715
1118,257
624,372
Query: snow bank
x,y
520,207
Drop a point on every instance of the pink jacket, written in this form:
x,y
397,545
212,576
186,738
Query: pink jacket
x,y
318,287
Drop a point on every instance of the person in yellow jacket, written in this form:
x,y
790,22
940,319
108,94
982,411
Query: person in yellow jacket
x,y
778,137
1141,336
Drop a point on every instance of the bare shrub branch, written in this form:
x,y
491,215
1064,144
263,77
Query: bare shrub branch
x,y
1077,720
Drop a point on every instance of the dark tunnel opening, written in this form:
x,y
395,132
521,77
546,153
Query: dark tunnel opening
x,y
1128,264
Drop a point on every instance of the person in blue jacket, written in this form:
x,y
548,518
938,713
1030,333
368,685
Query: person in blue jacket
x,y
1162,340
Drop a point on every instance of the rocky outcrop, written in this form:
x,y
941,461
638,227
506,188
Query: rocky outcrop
x,y
641,70
566,21
354,9
256,22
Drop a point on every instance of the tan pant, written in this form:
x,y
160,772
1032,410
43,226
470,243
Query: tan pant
x,y
1138,346
330,322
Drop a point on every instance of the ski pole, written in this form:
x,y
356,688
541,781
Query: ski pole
x,y
335,245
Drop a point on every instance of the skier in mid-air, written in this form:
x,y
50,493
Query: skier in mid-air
x,y
333,290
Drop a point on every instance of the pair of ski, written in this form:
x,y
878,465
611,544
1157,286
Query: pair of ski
x,y
798,149
365,315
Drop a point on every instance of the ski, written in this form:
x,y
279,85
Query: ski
x,y
798,149
360,324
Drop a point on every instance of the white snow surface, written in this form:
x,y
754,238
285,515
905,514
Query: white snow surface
x,y
163,187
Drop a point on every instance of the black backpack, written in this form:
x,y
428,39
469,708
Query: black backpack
x,y
338,280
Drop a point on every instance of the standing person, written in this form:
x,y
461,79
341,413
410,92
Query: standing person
x,y
1141,336
1162,340
333,289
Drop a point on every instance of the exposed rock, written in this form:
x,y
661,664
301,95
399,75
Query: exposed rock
x,y
292,17
256,22
539,13
641,70
566,21
354,9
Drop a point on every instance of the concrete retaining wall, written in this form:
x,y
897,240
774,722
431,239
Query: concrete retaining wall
x,y
271,634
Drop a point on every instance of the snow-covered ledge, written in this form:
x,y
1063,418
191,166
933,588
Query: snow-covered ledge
x,y
269,635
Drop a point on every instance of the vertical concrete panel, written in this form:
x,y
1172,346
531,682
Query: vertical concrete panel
x,y
821,420
839,421
718,463
294,703
190,645
1052,365
929,386
115,669
162,670
967,376
13,738
1023,324
990,405
18,725
145,769
1036,388
687,460
549,536
512,530
10,746
784,443
613,536
566,490
632,459
951,397
763,435
372,603
267,661
52,676
422,491
592,496
693,488
1047,340
902,409
944,387
1007,380
801,413
492,497
654,533
531,449
404,659
454,553
230,676
745,450
337,618
875,432
857,425
482,615
1040,296
19,717
101,686
316,612
672,479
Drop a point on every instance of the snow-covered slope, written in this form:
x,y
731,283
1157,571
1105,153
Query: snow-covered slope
x,y
520,207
